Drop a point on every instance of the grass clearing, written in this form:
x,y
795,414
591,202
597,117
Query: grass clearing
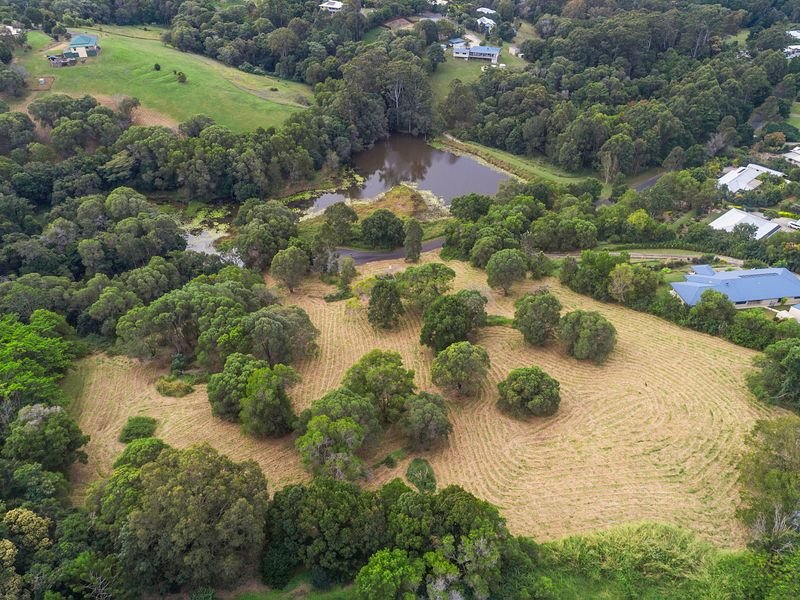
x,y
125,66
521,166
468,71
651,435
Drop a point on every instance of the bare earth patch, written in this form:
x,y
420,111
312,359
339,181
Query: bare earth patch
x,y
653,434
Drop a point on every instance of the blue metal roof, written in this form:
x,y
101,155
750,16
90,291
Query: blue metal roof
x,y
703,270
456,41
487,49
751,285
83,40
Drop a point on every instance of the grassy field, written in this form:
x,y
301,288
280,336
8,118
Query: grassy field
x,y
654,434
794,116
232,98
522,166
467,71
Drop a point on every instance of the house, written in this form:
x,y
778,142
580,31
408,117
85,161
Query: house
x,y
332,6
81,46
734,217
793,33
746,288
491,53
745,178
486,23
10,30
486,11
456,41
793,156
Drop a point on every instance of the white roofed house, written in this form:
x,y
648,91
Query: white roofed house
x,y
486,11
10,30
486,23
793,156
745,178
332,6
734,217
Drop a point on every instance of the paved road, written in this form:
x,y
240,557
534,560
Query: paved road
x,y
365,256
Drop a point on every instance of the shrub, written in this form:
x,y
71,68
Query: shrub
x,y
140,452
420,474
461,367
156,67
137,428
173,387
537,316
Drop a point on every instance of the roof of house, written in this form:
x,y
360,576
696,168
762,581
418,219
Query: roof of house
x,y
794,33
750,285
745,178
485,49
703,270
486,21
83,40
734,217
456,40
331,4
793,153
487,11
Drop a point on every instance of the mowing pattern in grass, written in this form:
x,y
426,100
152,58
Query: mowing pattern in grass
x,y
653,434
232,98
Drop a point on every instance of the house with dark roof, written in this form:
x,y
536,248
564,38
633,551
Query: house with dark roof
x,y
746,288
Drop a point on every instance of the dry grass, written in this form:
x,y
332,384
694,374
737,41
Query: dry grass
x,y
651,435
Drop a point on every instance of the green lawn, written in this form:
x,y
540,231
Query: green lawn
x,y
300,587
232,98
467,71
794,116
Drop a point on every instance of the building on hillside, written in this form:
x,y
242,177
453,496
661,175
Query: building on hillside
x,y
792,51
491,53
793,156
10,30
486,11
332,6
792,313
486,23
732,218
456,41
745,178
794,33
746,288
82,46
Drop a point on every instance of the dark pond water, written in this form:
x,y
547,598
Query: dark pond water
x,y
404,159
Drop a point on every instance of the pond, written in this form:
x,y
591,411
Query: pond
x,y
408,159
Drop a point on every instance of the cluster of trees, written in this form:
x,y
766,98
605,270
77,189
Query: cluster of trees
x,y
40,534
621,90
295,40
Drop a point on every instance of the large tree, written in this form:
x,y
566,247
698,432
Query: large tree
x,y
199,521
413,240
381,377
451,319
289,266
529,391
713,314
266,409
778,378
587,335
382,229
47,435
425,420
537,316
226,389
340,217
385,306
421,285
461,366
505,268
